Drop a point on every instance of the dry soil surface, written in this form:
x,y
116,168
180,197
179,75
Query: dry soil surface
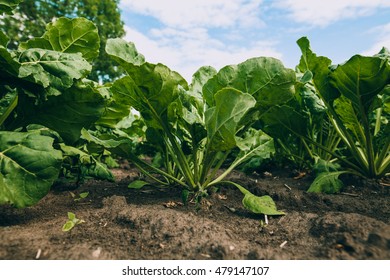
x,y
152,223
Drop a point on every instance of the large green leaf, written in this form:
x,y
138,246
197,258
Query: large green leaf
x,y
52,68
28,167
151,89
223,119
319,66
280,121
77,35
360,80
79,106
265,78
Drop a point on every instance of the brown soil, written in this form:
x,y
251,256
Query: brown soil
x,y
151,223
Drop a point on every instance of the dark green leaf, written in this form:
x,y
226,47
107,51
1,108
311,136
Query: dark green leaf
x,y
29,167
6,6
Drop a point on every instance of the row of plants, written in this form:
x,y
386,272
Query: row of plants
x,y
56,123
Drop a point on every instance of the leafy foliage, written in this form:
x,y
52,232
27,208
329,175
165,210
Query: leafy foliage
x,y
45,101
195,127
33,16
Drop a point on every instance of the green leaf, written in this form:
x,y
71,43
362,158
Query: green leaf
x,y
327,182
150,89
265,78
318,67
52,68
360,80
124,52
84,194
89,165
279,121
78,107
29,166
68,226
7,6
77,35
3,39
118,105
8,65
138,184
261,204
71,216
223,119
72,222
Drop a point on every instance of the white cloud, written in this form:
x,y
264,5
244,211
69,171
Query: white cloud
x,y
322,13
185,52
200,13
383,39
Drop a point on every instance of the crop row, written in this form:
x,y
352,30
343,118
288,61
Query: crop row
x,y
56,123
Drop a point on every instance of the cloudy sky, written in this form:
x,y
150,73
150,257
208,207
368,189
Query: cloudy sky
x,y
187,34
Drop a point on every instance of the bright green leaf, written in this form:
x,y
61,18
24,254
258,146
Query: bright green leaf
x,y
223,119
261,204
52,68
68,226
77,35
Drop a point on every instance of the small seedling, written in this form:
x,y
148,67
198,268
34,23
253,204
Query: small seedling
x,y
72,222
80,196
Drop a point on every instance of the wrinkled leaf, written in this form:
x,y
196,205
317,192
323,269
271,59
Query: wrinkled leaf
x,y
52,68
29,166
279,121
77,35
89,165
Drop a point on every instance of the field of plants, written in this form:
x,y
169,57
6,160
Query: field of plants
x,y
254,161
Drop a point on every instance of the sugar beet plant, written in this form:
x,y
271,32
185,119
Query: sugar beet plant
x,y
44,103
340,114
196,127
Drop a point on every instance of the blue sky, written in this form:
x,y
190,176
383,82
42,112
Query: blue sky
x,y
188,34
